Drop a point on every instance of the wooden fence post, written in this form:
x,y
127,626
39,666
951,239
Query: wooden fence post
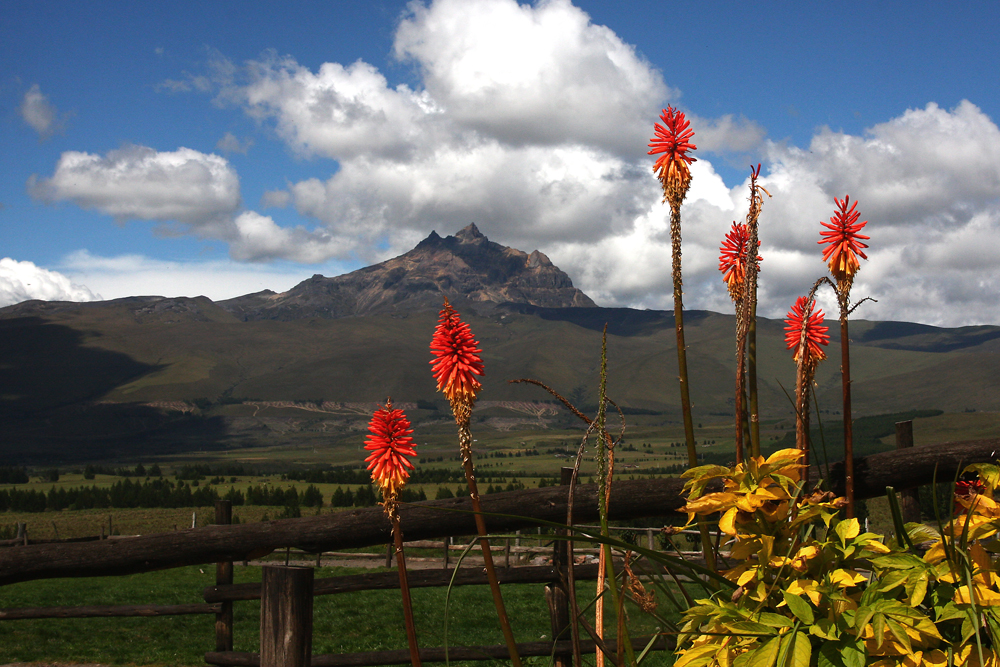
x,y
224,576
555,592
286,607
447,543
909,499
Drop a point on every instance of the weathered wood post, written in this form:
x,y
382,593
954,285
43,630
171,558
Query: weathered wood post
x,y
286,607
555,592
447,544
223,577
909,499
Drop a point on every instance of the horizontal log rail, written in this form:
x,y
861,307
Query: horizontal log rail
x,y
402,657
104,611
377,581
630,499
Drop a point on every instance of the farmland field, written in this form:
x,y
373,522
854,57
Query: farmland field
x,y
351,622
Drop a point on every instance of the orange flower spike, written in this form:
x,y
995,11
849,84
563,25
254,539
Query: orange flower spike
x,y
815,331
456,358
845,241
390,444
733,257
673,140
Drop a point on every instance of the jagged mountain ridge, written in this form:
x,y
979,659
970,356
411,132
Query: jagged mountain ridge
x,y
466,268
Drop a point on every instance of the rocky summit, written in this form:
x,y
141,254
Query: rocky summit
x,y
467,268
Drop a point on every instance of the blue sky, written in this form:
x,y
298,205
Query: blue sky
x,y
221,148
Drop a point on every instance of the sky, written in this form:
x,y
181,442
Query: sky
x,y
189,148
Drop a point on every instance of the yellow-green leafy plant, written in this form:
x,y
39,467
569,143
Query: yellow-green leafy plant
x,y
813,589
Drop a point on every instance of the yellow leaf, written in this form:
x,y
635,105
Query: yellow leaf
x,y
776,511
877,547
727,523
935,554
848,529
698,652
785,455
710,502
985,597
807,587
843,578
982,562
745,547
747,576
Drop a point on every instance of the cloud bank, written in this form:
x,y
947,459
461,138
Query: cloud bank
x,y
23,281
532,121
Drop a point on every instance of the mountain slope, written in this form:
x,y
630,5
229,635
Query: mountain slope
x,y
466,268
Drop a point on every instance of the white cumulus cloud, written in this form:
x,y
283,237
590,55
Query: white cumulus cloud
x,y
137,182
23,281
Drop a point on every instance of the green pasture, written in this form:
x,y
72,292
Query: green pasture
x,y
350,622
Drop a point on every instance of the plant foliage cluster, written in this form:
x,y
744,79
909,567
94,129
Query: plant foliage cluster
x,y
807,587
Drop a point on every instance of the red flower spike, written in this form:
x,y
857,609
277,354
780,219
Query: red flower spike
x,y
845,241
672,139
456,358
733,257
815,331
390,443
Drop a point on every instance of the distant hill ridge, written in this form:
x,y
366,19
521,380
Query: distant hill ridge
x,y
466,268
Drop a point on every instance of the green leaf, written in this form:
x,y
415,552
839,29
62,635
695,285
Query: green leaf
x,y
826,629
751,628
697,656
775,620
802,610
899,633
847,653
801,651
765,655
853,653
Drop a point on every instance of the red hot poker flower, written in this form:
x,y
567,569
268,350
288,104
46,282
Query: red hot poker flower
x,y
815,331
456,358
844,239
672,139
733,258
390,444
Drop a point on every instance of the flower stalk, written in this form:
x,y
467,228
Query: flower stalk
x,y
390,444
672,139
455,366
805,333
750,300
845,245
733,263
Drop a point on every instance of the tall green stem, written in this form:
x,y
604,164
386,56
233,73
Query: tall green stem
x,y
675,243
752,379
605,472
845,372
404,588
463,417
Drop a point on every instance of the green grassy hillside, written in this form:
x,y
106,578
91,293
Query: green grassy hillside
x,y
181,374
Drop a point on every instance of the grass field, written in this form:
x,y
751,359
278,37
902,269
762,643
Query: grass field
x,y
363,621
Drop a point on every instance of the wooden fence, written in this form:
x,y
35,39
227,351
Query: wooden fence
x,y
223,544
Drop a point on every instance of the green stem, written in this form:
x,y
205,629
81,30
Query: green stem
x,y
752,377
463,415
682,369
404,588
845,371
